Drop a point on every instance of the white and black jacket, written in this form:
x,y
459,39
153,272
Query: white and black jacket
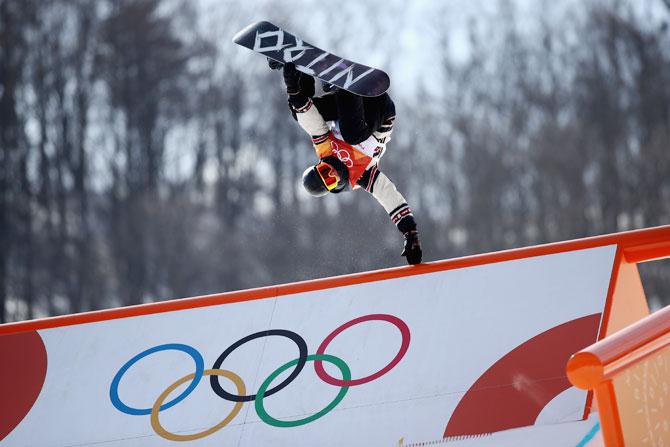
x,y
359,121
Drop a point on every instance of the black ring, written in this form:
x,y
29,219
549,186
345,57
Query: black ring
x,y
297,339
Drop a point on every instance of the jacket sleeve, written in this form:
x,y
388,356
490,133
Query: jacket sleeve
x,y
310,119
388,196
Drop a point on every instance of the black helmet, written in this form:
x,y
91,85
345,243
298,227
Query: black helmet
x,y
312,182
329,175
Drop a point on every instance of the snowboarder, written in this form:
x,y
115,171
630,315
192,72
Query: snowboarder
x,y
349,134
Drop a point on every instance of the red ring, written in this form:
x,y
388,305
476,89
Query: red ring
x,y
397,322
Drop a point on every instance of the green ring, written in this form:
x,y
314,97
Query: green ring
x,y
265,417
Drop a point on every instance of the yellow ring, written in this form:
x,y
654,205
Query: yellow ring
x,y
158,428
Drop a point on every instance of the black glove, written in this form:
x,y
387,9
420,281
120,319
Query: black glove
x,y
412,247
274,65
291,79
328,87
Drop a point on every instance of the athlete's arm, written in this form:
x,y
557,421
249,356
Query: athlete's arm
x,y
383,189
312,122
306,113
385,192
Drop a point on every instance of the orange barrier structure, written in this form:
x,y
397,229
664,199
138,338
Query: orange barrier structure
x,y
632,247
478,348
629,370
630,373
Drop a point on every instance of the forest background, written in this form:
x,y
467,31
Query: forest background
x,y
144,156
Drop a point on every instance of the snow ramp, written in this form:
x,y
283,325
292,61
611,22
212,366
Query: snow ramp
x,y
468,351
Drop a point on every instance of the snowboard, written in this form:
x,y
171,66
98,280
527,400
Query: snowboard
x,y
280,45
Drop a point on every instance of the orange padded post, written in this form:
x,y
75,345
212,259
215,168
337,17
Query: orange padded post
x,y
612,368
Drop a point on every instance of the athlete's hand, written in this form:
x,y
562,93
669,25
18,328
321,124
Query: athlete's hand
x,y
274,65
412,249
291,79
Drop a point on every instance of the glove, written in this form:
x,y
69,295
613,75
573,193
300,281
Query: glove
x,y
328,87
412,247
291,79
274,65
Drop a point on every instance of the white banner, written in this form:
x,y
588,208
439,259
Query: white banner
x,y
402,360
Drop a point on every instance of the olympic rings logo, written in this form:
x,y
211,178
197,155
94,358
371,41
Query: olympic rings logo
x,y
346,158
264,390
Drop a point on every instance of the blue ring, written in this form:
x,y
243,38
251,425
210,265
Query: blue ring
x,y
114,387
